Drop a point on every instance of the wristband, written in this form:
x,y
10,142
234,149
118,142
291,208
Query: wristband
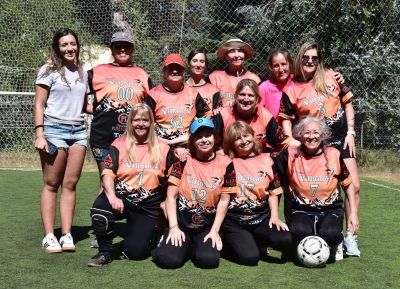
x,y
352,132
40,125
176,225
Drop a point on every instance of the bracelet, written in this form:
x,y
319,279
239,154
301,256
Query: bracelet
x,y
176,225
40,125
352,132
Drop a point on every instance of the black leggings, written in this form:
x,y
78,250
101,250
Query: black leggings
x,y
245,240
329,227
168,256
139,229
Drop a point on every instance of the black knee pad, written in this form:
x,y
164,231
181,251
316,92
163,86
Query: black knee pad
x,y
102,221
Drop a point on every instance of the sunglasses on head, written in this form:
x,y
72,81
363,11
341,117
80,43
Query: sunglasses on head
x,y
120,46
306,58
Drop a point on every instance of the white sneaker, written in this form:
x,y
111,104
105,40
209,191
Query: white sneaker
x,y
336,253
50,244
67,243
351,245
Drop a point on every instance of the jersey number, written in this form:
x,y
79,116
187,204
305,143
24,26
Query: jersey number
x,y
250,187
202,192
125,93
314,188
176,122
140,183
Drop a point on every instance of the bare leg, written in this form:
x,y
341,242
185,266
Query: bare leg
x,y
352,167
72,174
100,167
53,168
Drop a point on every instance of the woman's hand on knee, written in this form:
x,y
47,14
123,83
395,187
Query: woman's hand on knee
x,y
176,236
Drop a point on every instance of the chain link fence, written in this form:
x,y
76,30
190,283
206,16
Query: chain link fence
x,y
361,39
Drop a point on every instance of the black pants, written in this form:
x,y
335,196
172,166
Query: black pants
x,y
329,227
204,255
245,240
139,229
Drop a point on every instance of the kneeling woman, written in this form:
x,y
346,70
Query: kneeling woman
x,y
314,171
252,219
197,201
134,182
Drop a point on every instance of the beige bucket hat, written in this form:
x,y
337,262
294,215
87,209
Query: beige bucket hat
x,y
235,44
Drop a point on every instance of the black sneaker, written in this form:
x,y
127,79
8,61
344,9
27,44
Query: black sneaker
x,y
99,259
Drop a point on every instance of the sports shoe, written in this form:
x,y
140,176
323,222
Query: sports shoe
x,y
351,245
336,253
50,244
99,259
93,243
67,243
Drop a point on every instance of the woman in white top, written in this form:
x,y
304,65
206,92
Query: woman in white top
x,y
61,137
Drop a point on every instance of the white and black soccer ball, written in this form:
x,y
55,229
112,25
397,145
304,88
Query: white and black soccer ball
x,y
313,251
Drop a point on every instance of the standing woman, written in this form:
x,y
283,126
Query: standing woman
x,y
197,60
197,201
314,171
315,92
246,108
116,87
235,51
280,68
252,220
175,104
135,182
60,102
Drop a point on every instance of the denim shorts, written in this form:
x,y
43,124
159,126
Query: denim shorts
x,y
99,154
65,135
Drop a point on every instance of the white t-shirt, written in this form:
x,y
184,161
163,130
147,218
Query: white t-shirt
x,y
65,102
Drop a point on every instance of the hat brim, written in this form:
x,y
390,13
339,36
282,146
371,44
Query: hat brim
x,y
235,44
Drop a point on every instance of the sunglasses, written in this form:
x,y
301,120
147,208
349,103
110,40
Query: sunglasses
x,y
306,58
119,46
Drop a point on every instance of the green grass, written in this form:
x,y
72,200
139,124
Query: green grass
x,y
24,265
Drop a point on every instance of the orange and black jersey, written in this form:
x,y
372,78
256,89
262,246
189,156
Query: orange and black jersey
x,y
211,96
256,179
116,89
175,111
266,129
139,183
314,179
226,83
201,184
300,98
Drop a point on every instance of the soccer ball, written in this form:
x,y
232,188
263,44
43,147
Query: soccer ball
x,y
313,251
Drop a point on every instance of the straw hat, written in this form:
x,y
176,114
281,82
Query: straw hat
x,y
235,44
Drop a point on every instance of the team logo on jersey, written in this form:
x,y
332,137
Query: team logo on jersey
x,y
262,173
189,105
123,118
196,218
261,136
330,171
217,180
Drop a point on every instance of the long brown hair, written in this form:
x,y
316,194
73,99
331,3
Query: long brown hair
x,y
56,63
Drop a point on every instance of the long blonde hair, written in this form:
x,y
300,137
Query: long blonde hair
x,y
152,140
319,75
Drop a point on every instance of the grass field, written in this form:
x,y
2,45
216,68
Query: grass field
x,y
24,265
